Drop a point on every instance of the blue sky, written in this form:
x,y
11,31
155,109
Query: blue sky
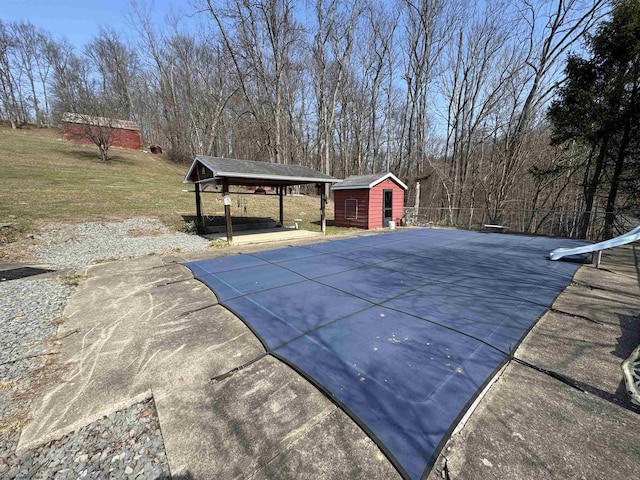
x,y
80,20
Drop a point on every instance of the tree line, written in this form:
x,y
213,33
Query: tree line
x,y
454,95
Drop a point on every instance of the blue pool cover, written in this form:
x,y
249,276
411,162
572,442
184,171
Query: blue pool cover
x,y
402,330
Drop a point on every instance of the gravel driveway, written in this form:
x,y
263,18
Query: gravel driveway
x,y
127,444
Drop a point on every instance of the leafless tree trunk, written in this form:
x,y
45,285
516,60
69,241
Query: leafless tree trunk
x,y
261,38
10,95
26,47
331,49
427,28
117,66
552,28
480,64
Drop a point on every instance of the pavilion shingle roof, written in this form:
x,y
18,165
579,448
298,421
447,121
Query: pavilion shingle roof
x,y
236,170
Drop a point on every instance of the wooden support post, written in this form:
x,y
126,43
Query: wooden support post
x,y
227,210
280,193
323,201
199,220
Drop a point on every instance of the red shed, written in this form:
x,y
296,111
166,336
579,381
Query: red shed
x,y
368,201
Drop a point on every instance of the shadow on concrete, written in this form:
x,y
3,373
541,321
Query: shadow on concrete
x,y
620,398
184,476
629,337
628,340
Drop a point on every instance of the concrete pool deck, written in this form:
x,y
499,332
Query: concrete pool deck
x,y
268,235
144,327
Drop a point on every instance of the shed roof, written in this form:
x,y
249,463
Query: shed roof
x,y
366,181
249,172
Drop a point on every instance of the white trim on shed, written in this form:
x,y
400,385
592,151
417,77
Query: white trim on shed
x,y
356,182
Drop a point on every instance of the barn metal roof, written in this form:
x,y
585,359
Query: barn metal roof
x,y
69,117
249,172
366,181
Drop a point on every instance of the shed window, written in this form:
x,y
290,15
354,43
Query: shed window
x,y
351,209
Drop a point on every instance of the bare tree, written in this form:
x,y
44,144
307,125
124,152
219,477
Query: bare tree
x,y
79,98
24,72
499,71
261,38
378,74
116,65
13,107
187,98
552,28
69,81
362,109
331,49
427,28
26,41
480,66
101,131
43,65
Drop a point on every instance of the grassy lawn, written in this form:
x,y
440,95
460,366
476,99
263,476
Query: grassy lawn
x,y
46,179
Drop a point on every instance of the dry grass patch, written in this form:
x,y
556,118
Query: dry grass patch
x,y
173,250
11,384
59,320
106,260
218,244
48,375
24,390
145,233
71,280
14,422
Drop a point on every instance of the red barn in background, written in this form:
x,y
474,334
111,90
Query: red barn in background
x,y
123,133
369,201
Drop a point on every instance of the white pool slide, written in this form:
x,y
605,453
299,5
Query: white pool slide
x,y
628,237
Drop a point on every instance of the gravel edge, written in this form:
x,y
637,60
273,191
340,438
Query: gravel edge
x,y
126,444
82,244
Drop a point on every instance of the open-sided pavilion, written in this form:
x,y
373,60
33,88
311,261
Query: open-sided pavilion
x,y
227,172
